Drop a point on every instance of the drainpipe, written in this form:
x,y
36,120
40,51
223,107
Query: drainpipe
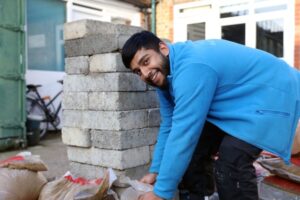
x,y
153,16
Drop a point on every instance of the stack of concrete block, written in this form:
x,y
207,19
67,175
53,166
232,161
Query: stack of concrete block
x,y
110,117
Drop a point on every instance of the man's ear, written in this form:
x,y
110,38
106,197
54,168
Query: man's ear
x,y
164,49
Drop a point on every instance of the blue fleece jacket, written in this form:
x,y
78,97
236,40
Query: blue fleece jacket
x,y
248,93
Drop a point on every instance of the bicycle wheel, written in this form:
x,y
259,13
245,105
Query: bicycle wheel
x,y
35,110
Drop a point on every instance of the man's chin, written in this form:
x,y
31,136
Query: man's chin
x,y
163,87
151,84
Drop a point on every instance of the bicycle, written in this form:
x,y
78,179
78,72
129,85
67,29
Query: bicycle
x,y
42,108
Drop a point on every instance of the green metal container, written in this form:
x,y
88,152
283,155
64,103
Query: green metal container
x,y
12,70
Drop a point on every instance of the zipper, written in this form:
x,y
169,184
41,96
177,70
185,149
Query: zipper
x,y
272,112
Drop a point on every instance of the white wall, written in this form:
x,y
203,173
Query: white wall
x,y
48,80
103,10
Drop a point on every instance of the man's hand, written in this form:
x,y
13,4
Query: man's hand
x,y
149,196
296,144
149,178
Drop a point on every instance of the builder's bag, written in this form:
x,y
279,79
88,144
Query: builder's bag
x,y
20,178
71,188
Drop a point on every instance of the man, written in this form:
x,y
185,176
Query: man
x,y
215,96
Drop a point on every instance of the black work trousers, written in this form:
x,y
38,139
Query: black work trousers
x,y
232,173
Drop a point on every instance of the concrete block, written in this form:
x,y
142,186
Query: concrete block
x,y
83,28
120,140
86,170
87,37
135,173
108,62
75,100
105,120
91,45
125,32
115,120
104,101
93,171
72,118
77,154
86,27
76,137
121,159
128,30
110,158
122,100
112,82
75,83
149,87
132,119
122,40
131,82
77,65
154,117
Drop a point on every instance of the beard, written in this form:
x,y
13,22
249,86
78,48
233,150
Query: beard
x,y
165,71
164,65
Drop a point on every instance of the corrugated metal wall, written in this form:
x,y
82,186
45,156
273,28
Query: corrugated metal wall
x,y
12,70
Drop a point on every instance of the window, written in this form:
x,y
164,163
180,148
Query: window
x,y
234,33
196,31
234,10
269,36
45,19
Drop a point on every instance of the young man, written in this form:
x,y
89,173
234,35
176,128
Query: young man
x,y
215,96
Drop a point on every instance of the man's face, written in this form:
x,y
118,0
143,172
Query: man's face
x,y
152,66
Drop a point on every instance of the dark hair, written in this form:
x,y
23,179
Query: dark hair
x,y
137,41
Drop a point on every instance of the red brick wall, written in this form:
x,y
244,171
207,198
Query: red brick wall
x,y
297,34
164,17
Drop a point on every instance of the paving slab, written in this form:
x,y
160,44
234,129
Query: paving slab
x,y
51,150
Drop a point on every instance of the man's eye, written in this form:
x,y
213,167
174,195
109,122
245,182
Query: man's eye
x,y
146,62
137,72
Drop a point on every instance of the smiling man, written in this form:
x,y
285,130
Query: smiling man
x,y
219,97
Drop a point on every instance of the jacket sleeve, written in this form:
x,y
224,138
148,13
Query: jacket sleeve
x,y
166,111
193,87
